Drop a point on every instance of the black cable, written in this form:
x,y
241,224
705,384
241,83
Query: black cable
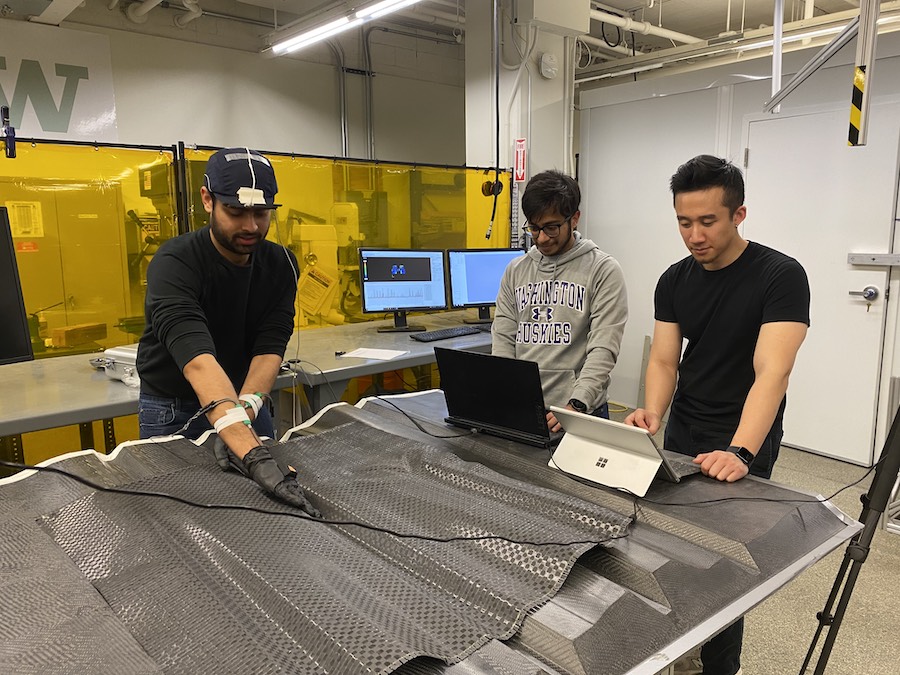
x,y
618,35
301,514
205,409
496,186
419,426
321,372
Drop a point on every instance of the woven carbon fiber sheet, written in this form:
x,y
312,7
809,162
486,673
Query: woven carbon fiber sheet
x,y
630,606
238,592
699,555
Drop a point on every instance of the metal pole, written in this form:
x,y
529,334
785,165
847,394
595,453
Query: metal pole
x,y
862,74
814,64
777,32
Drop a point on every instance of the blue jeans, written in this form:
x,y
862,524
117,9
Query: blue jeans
x,y
602,411
161,416
722,654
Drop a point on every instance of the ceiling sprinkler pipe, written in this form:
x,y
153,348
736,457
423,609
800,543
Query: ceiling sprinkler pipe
x,y
643,27
194,12
137,11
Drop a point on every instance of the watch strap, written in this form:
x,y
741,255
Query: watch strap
x,y
578,405
743,454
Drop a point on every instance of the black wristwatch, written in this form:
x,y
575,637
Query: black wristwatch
x,y
577,405
743,454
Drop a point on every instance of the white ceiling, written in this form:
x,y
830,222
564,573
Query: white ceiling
x,y
703,19
708,18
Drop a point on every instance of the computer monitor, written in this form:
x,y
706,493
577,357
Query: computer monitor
x,y
475,277
15,340
399,281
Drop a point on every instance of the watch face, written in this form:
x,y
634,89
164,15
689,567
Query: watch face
x,y
745,455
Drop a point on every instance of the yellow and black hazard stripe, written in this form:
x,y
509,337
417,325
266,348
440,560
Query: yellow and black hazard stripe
x,y
856,103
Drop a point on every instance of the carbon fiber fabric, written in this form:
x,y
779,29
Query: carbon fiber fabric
x,y
226,591
155,587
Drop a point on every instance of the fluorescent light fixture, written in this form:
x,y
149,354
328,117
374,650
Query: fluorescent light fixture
x,y
315,35
332,28
383,7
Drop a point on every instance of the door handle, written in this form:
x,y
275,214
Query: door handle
x,y
869,293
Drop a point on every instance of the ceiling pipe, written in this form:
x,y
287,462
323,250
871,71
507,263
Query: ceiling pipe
x,y
137,11
434,18
436,13
642,27
451,4
753,44
338,52
194,11
604,46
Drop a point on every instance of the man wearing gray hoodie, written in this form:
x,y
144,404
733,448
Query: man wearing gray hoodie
x,y
563,305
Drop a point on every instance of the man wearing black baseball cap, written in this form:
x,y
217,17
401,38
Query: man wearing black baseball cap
x,y
219,313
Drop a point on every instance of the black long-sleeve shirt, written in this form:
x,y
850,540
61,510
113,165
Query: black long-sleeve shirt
x,y
200,303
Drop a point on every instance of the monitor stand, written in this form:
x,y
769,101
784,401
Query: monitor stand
x,y
484,315
400,325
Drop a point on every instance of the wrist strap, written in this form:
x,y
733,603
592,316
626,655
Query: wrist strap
x,y
236,415
252,401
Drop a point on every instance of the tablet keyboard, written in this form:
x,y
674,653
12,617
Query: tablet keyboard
x,y
444,333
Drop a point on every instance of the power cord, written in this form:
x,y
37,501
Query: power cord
x,y
205,409
301,514
298,361
419,426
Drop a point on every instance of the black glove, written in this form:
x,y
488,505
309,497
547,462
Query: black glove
x,y
259,465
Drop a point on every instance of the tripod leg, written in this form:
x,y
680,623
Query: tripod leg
x,y
825,618
838,618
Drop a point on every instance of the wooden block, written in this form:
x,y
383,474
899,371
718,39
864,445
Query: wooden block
x,y
70,336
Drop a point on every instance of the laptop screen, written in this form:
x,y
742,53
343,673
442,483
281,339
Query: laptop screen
x,y
484,391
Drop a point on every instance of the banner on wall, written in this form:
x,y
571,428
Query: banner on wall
x,y
57,82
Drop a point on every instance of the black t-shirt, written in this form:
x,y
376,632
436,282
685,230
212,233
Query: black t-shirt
x,y
720,313
200,303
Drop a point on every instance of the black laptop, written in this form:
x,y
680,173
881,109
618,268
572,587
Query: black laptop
x,y
495,395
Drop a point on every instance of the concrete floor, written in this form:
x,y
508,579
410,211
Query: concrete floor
x,y
777,633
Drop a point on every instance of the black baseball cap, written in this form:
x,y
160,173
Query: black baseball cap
x,y
241,177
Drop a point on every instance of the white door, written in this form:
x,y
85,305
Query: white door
x,y
811,196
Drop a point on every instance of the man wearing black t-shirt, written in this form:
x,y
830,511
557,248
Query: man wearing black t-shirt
x,y
744,309
219,313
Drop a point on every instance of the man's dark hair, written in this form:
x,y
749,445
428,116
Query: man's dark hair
x,y
705,172
549,191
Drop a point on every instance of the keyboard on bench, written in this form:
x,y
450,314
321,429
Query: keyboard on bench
x,y
444,333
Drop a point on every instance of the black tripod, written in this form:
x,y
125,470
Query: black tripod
x,y
875,501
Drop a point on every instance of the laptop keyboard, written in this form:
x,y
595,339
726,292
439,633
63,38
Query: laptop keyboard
x,y
444,333
683,467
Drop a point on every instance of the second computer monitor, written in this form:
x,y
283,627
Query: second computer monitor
x,y
475,277
400,280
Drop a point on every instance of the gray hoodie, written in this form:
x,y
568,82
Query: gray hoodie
x,y
567,313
